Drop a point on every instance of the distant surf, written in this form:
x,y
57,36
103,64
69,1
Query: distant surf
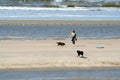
x,y
37,13
76,8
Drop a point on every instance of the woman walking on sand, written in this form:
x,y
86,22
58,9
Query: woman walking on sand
x,y
73,36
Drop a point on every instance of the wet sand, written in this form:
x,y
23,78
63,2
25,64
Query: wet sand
x,y
59,23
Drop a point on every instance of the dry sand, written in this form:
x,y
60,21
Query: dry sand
x,y
15,54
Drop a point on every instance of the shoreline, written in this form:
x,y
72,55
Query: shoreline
x,y
45,54
59,22
27,39
61,68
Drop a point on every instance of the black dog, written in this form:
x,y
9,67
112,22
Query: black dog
x,y
80,53
60,44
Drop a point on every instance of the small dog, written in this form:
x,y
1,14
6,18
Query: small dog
x,y
60,44
80,53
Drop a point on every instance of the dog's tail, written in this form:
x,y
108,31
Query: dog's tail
x,y
57,43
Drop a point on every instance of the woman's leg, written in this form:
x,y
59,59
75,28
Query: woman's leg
x,y
73,40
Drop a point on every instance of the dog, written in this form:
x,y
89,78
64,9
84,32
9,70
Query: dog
x,y
80,53
60,44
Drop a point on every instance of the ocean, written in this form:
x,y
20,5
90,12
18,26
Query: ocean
x,y
58,32
38,13
62,74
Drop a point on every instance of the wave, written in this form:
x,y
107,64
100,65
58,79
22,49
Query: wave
x,y
38,13
37,8
76,8
65,16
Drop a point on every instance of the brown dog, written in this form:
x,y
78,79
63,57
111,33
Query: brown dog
x,y
60,44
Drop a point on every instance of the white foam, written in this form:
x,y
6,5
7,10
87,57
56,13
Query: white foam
x,y
59,16
76,8
37,8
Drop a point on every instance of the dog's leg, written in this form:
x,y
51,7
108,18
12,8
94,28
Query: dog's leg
x,y
82,56
78,55
57,44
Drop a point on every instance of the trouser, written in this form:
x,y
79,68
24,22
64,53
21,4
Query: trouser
x,y
73,40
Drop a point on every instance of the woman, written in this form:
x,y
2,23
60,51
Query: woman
x,y
73,36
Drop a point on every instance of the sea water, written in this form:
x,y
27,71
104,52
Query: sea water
x,y
37,13
62,74
58,32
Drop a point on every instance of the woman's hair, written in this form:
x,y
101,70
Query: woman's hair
x,y
73,31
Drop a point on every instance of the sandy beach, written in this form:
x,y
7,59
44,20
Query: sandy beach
x,y
17,54
60,22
